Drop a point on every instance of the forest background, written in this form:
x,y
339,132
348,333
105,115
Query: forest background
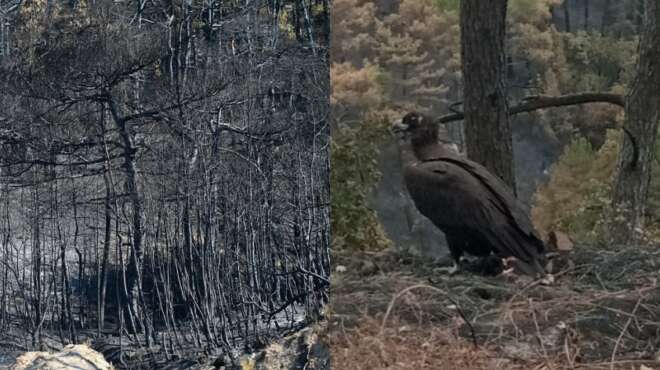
x,y
391,305
394,56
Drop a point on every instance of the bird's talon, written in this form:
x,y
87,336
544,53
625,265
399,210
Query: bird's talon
x,y
548,279
455,269
451,271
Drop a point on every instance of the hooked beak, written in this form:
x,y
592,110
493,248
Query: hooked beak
x,y
398,127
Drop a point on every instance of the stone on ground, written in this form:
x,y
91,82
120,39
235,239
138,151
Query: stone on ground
x,y
78,357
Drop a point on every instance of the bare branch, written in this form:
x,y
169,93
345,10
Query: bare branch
x,y
536,102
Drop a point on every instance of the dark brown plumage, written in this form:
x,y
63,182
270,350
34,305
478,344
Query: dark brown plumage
x,y
477,212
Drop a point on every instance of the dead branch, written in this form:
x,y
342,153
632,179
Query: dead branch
x,y
623,331
535,102
532,103
390,306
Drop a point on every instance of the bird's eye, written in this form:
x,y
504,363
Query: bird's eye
x,y
416,120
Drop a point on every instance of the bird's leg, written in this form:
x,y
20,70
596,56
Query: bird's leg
x,y
535,270
455,268
490,265
508,266
547,279
456,252
455,265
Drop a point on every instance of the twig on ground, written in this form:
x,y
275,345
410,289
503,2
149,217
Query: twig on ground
x,y
623,331
539,336
567,351
438,290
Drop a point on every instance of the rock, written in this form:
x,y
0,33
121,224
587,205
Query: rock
x,y
79,357
340,268
301,350
318,357
298,351
559,241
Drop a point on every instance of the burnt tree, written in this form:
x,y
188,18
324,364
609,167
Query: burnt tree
x,y
163,183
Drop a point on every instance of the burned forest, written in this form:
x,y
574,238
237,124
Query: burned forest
x,y
163,175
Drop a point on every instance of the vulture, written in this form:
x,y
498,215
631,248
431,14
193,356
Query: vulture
x,y
476,211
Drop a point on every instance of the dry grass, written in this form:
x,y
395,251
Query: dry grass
x,y
405,346
603,313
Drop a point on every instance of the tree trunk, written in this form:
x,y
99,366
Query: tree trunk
x,y
70,324
36,272
641,122
567,16
586,15
134,280
608,18
487,125
103,278
639,17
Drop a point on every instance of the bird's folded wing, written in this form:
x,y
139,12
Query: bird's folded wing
x,y
506,201
450,193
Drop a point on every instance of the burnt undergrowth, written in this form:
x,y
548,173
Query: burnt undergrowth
x,y
163,176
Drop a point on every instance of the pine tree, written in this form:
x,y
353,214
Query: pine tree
x,y
353,29
418,48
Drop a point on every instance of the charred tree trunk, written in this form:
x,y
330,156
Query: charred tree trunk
x,y
487,126
5,270
36,273
102,265
103,278
134,281
68,319
642,113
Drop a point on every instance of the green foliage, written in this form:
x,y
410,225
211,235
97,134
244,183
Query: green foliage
x,y
578,193
653,206
354,175
577,199
285,23
597,62
567,62
409,58
535,12
413,58
417,49
447,5
353,31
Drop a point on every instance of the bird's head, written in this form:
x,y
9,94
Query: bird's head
x,y
416,126
420,131
409,123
